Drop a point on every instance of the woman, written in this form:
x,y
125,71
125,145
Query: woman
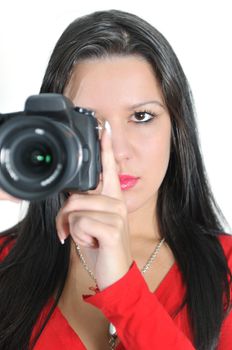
x,y
153,203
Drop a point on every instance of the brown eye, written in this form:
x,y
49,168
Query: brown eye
x,y
142,117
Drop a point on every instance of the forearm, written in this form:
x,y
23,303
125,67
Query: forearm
x,y
140,319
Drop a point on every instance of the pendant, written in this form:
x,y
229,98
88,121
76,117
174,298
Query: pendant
x,y
113,336
112,330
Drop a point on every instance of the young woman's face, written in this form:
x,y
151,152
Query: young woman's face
x,y
125,92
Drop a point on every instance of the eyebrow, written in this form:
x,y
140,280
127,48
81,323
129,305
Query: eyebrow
x,y
147,103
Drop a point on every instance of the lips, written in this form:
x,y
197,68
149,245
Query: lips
x,y
127,181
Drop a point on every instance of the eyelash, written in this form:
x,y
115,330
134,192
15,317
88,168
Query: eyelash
x,y
151,115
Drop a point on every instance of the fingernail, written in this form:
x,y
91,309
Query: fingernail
x,y
62,240
108,127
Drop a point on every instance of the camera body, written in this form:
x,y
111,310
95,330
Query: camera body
x,y
49,147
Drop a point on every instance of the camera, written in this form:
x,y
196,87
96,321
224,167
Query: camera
x,y
51,146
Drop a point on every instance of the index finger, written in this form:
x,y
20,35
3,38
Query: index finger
x,y
111,184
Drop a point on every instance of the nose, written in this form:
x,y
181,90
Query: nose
x,y
121,143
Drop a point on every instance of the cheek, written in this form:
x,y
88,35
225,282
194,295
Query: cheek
x,y
155,145
154,155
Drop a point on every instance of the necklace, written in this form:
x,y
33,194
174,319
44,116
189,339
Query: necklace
x,y
112,329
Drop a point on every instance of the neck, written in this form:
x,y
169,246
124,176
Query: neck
x,y
143,223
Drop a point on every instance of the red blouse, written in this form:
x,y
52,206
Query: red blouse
x,y
144,320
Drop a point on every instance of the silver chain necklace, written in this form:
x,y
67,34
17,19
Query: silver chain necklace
x,y
112,329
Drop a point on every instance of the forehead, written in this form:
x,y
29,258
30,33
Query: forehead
x,y
115,79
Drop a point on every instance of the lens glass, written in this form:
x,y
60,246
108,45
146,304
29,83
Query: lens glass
x,y
38,157
34,158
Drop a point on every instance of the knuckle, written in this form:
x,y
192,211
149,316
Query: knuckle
x,y
115,235
78,221
82,221
119,223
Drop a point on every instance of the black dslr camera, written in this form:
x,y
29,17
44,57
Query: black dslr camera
x,y
49,147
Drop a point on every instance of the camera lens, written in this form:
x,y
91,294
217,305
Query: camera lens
x,y
38,156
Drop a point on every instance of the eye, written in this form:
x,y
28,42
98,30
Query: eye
x,y
143,117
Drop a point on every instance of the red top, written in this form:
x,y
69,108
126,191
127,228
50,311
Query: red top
x,y
144,320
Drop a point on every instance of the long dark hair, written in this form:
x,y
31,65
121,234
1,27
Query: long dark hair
x,y
189,218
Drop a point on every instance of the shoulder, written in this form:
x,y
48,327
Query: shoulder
x,y
226,243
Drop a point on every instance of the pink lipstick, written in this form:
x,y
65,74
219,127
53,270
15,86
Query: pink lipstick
x,y
127,181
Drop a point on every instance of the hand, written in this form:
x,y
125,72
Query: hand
x,y
8,197
97,222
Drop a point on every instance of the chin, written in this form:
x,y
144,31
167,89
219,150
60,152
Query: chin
x,y
131,202
134,202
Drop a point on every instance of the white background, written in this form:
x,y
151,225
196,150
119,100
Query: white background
x,y
199,31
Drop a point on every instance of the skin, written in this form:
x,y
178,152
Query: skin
x,y
107,221
6,196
